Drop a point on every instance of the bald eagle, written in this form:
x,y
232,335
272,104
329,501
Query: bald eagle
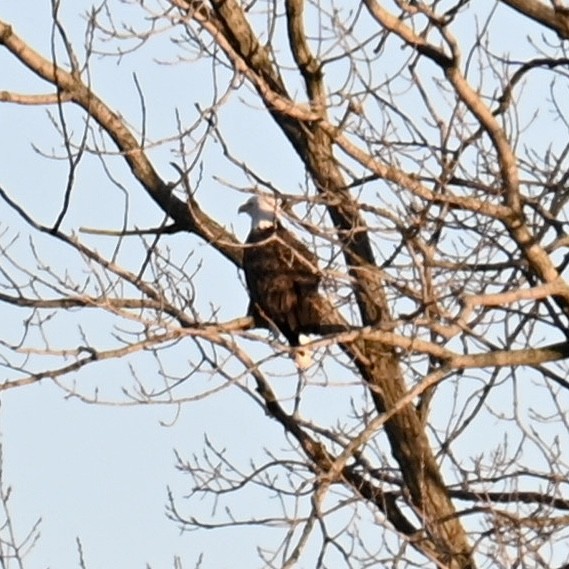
x,y
282,277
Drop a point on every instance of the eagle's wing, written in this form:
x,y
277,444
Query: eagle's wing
x,y
282,277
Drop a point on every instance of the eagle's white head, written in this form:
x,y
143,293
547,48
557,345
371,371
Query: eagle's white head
x,y
263,209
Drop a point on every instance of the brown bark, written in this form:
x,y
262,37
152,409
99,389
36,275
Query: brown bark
x,y
379,364
554,18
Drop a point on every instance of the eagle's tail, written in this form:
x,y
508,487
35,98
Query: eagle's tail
x,y
302,354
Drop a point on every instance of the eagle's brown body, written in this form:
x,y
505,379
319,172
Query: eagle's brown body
x,y
282,277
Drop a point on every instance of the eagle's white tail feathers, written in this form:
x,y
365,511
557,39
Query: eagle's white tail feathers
x,y
303,356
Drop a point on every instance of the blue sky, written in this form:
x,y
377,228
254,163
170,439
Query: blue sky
x,y
101,472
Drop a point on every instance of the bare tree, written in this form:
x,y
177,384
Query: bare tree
x,y
428,165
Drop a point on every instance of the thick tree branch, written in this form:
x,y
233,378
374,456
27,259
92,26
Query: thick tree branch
x,y
380,364
555,18
186,214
